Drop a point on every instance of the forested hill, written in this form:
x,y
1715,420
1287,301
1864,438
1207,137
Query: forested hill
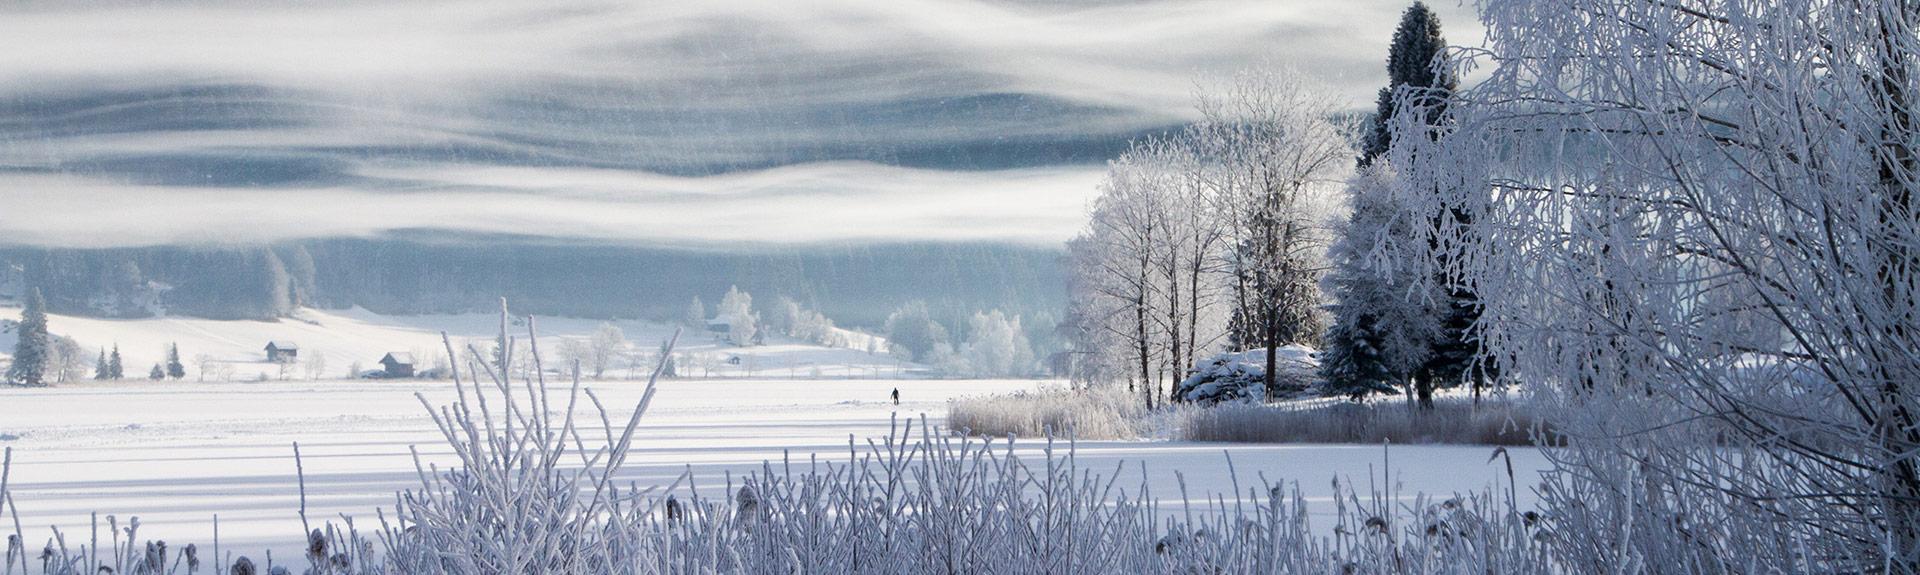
x,y
856,286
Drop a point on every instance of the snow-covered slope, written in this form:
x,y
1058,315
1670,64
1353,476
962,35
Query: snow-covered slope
x,y
347,337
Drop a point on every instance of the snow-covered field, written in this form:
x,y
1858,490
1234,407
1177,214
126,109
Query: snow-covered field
x,y
177,454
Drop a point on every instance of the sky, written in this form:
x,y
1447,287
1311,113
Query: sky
x,y
718,121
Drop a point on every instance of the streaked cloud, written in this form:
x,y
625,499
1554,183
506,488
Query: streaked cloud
x,y
242,106
812,203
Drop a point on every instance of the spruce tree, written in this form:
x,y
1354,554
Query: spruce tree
x,y
175,369
1413,74
1417,45
115,369
666,360
100,365
1410,63
32,352
157,374
1383,331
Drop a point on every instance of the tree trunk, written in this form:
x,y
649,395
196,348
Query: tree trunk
x,y
1423,389
1140,341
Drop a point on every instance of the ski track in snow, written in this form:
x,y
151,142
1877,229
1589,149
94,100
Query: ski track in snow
x,y
176,454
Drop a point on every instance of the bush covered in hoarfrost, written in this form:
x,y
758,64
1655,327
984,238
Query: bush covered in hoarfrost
x,y
1241,376
1097,413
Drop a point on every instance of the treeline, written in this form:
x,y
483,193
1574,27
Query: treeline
x,y
857,286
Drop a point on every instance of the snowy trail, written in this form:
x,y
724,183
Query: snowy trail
x,y
176,454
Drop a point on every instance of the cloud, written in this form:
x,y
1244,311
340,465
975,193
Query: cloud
x,y
723,52
814,203
245,110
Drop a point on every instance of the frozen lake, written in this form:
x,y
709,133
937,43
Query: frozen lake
x,y
177,454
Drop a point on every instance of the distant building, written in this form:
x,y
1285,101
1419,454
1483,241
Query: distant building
x,y
282,351
721,327
398,364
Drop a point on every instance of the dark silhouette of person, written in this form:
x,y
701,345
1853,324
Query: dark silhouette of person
x,y
896,396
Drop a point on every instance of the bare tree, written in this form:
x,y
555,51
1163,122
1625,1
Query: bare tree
x,y
285,367
316,364
749,363
707,361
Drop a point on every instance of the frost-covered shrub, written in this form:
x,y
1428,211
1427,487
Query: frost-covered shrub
x,y
1241,376
1099,413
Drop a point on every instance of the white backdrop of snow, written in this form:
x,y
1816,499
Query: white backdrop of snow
x,y
177,454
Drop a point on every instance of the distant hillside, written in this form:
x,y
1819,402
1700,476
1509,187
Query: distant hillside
x,y
855,286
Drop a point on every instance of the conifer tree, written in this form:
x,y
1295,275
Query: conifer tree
x,y
100,365
175,369
157,373
1416,43
115,369
1383,330
666,359
32,351
1451,351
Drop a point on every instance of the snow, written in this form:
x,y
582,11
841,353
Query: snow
x,y
177,454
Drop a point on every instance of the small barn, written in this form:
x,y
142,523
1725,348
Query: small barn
x,y
398,364
279,351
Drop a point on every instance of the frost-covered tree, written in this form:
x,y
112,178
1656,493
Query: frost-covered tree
x,y
32,348
575,355
66,359
1118,285
100,365
1696,237
1386,314
997,346
1277,155
607,343
1367,348
206,363
317,364
789,318
743,323
157,373
913,334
